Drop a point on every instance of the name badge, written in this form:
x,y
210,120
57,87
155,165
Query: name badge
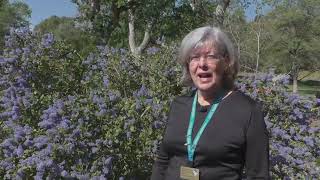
x,y
188,173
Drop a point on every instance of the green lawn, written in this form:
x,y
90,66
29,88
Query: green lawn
x,y
306,75
308,85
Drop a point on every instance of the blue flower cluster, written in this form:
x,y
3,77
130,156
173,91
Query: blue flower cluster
x,y
102,116
67,117
294,141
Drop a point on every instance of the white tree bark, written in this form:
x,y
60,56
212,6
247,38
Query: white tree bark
x,y
295,73
258,33
193,4
220,12
136,51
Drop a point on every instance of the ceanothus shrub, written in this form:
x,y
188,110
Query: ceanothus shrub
x,y
102,116
294,144
63,115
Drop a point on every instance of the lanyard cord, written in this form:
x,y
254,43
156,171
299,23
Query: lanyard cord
x,y
192,145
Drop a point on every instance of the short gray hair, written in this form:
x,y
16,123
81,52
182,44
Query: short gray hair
x,y
224,46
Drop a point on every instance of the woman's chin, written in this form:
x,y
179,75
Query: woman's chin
x,y
207,87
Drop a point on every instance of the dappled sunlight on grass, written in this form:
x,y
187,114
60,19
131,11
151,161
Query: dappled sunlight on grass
x,y
307,87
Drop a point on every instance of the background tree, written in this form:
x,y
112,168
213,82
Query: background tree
x,y
110,19
12,14
147,21
65,29
295,37
237,27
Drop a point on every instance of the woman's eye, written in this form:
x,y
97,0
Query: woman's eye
x,y
212,57
195,58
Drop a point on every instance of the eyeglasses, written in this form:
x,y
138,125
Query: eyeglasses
x,y
211,58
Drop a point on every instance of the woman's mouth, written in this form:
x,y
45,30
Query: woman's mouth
x,y
204,77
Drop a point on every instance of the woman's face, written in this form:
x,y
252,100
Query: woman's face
x,y
206,67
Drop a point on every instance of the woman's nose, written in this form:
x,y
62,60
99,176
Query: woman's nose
x,y
203,62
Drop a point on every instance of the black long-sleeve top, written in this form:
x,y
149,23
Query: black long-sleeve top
x,y
235,138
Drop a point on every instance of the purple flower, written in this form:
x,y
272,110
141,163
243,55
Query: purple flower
x,y
267,77
65,123
19,133
298,161
46,124
64,173
28,143
309,141
302,128
143,91
26,51
286,178
148,101
293,99
108,161
105,170
76,132
38,176
101,112
114,50
128,134
124,63
292,131
152,50
123,51
49,163
298,113
308,105
298,151
40,141
20,151
157,124
169,72
254,94
23,32
313,130
47,40
20,173
113,96
278,159
242,87
94,149
105,81
138,105
99,178
41,166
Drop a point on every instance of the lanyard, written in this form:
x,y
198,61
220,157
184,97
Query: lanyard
x,y
192,145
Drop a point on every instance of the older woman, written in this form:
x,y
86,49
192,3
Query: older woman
x,y
217,131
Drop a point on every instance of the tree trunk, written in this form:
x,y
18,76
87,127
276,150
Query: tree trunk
x,y
258,51
136,51
295,83
220,12
132,42
295,74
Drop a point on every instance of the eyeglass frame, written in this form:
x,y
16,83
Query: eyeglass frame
x,y
212,58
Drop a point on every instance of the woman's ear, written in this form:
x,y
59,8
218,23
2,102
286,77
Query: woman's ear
x,y
227,63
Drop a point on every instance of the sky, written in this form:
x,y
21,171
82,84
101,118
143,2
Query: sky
x,y
42,9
